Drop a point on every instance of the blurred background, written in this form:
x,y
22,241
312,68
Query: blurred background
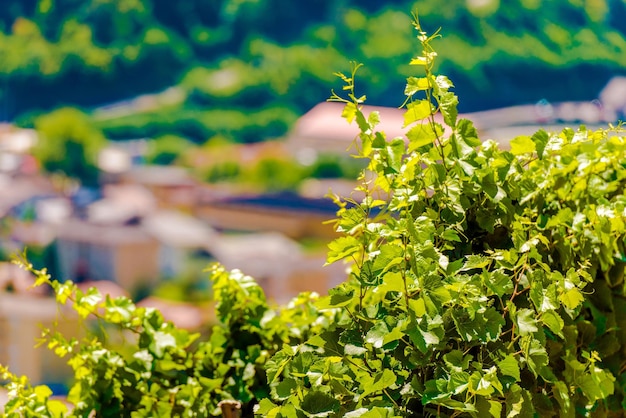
x,y
141,140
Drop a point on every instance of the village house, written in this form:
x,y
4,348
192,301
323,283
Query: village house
x,y
171,186
289,213
323,130
126,254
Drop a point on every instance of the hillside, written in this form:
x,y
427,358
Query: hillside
x,y
245,70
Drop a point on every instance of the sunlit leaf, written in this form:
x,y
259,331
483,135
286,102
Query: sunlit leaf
x,y
417,111
341,248
572,298
522,145
509,366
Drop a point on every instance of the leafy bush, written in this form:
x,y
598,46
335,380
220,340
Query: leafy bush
x,y
487,283
482,282
167,372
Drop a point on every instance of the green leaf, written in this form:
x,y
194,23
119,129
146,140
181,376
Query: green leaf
x,y
366,144
443,83
535,354
349,112
341,248
379,141
351,219
395,151
376,334
490,186
598,384
519,403
354,350
364,125
57,408
86,303
509,366
118,310
337,298
357,413
421,61
553,321
353,343
302,362
563,397
572,298
163,409
522,145
448,103
390,255
540,138
457,361
483,327
498,282
283,390
276,365
42,392
475,261
319,404
418,307
487,408
526,321
459,147
415,84
392,282
422,229
423,134
451,235
378,382
455,405
416,111
376,412
467,132
42,277
264,407
329,342
161,342
396,334
424,335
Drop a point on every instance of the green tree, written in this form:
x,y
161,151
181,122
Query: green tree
x,y
69,144
167,149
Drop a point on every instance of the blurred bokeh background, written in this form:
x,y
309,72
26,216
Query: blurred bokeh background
x,y
142,139
246,69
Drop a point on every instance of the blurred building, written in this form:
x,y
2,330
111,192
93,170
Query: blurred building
x,y
23,315
323,129
289,213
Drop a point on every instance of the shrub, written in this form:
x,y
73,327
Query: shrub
x,y
164,371
485,282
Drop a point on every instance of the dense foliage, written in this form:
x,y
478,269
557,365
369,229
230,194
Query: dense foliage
x,y
166,371
482,282
247,69
69,144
